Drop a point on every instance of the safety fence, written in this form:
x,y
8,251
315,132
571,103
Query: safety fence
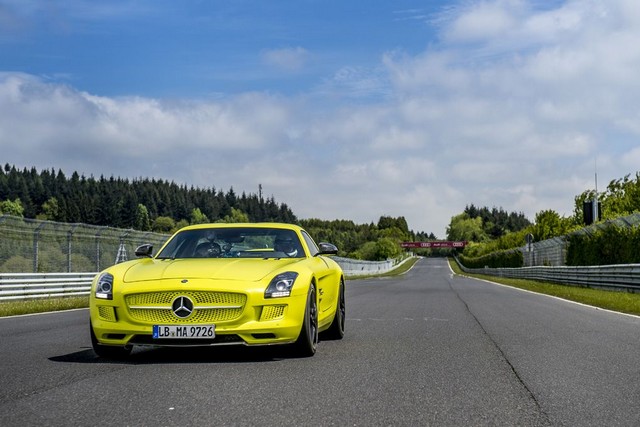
x,y
553,252
623,277
28,245
550,252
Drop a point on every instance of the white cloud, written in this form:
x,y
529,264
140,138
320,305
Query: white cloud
x,y
291,59
510,109
484,21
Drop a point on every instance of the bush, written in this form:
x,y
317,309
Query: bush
x,y
502,259
17,264
609,245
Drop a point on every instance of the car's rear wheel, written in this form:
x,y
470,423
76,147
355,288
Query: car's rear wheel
x,y
336,330
307,341
108,351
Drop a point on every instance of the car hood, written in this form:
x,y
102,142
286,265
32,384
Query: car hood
x,y
245,269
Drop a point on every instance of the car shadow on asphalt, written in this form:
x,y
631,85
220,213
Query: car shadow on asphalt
x,y
150,356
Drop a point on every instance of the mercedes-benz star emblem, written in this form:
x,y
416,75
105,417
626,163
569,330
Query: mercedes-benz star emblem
x,y
182,307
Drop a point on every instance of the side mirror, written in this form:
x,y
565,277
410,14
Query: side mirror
x,y
327,249
144,251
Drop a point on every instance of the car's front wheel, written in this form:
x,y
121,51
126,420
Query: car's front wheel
x,y
107,351
336,330
307,341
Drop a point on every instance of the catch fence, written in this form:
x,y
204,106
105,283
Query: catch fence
x,y
35,246
553,252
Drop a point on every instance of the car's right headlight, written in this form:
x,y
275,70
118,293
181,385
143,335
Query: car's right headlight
x,y
104,286
281,285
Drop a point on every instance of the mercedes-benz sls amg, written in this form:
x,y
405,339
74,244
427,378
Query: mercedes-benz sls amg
x,y
221,284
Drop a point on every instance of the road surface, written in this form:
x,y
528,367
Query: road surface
x,y
426,348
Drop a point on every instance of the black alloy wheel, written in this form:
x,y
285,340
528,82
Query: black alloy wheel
x,y
336,330
307,341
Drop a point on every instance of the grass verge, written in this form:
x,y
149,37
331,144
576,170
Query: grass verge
x,y
623,302
14,308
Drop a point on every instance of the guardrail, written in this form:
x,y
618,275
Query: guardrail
x,y
624,277
16,286
354,267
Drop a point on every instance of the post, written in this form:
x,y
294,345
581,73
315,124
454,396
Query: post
x,y
36,246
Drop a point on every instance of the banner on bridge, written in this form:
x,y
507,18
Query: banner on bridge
x,y
438,244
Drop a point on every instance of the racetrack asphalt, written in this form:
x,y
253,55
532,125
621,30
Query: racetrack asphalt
x,y
426,348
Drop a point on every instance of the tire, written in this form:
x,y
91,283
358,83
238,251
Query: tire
x,y
108,351
307,342
336,330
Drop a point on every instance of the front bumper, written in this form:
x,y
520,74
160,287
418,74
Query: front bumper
x,y
239,317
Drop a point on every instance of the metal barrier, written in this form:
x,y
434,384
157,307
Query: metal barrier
x,y
16,286
354,267
625,277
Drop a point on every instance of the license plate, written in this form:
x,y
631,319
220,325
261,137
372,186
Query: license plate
x,y
176,331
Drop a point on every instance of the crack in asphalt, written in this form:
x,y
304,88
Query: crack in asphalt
x,y
503,355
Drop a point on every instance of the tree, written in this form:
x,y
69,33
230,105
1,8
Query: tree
x,y
388,222
197,217
549,224
463,228
496,222
180,224
50,209
12,208
621,198
387,248
142,221
236,216
163,224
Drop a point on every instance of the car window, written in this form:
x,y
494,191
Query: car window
x,y
233,242
311,244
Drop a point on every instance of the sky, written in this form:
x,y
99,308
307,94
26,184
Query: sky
x,y
340,109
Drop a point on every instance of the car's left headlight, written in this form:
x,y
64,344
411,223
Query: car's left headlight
x,y
281,285
104,286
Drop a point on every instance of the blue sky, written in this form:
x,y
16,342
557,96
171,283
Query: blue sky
x,y
207,48
341,109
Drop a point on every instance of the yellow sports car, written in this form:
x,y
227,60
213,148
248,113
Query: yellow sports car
x,y
221,284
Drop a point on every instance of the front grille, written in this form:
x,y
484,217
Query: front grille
x,y
198,297
209,307
106,313
270,312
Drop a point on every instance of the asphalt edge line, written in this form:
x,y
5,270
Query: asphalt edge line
x,y
43,312
546,295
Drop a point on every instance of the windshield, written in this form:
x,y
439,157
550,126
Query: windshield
x,y
233,243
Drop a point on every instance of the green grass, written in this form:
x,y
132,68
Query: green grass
x,y
623,302
13,308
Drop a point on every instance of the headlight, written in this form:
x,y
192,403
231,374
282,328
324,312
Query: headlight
x,y
281,285
104,286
